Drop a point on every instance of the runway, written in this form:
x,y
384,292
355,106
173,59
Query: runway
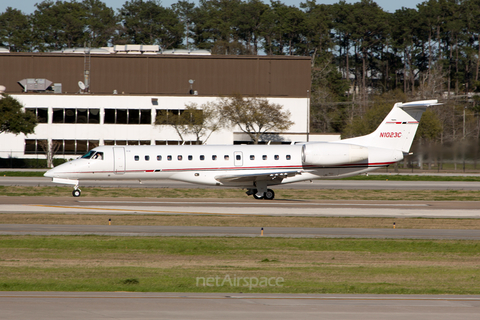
x,y
219,306
315,184
196,231
248,206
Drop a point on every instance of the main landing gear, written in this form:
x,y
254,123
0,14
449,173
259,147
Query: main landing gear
x,y
268,195
76,192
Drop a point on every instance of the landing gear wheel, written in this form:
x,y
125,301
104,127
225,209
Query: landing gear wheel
x,y
255,195
269,195
76,193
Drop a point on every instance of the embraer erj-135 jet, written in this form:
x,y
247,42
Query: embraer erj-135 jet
x,y
254,167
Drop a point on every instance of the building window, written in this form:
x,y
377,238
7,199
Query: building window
x,y
145,116
128,116
164,116
69,147
33,146
109,116
71,115
82,146
40,113
57,115
94,116
122,116
82,116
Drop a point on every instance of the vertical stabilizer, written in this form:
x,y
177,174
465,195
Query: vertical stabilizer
x,y
398,129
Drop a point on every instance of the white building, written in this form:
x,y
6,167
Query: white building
x,y
81,122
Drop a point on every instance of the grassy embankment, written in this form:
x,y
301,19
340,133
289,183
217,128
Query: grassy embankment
x,y
238,221
233,193
95,263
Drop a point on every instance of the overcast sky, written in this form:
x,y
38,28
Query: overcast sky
x,y
28,6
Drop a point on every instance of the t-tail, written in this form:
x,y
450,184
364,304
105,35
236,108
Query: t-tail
x,y
398,129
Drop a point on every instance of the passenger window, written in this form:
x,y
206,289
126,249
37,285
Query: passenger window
x,y
238,157
137,158
264,157
147,158
226,157
180,158
252,157
288,157
214,157
159,158
190,157
277,157
202,157
169,158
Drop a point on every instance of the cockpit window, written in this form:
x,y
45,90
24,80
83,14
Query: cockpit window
x,y
98,156
88,155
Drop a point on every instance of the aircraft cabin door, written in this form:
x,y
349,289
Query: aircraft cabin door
x,y
119,160
238,158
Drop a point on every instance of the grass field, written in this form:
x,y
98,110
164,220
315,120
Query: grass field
x,y
95,263
233,193
238,221
174,264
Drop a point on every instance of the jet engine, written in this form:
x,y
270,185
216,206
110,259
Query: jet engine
x,y
330,154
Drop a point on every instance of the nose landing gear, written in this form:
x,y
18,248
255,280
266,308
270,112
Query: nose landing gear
x,y
76,192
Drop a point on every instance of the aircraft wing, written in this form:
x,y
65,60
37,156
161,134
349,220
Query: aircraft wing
x,y
273,176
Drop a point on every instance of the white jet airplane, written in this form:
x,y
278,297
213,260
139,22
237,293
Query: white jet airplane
x,y
254,167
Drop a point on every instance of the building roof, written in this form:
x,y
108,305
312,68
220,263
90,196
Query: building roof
x,y
214,75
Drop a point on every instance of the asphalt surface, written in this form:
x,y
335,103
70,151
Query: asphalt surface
x,y
141,305
247,206
315,184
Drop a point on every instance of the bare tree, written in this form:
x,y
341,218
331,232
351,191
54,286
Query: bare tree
x,y
254,116
50,149
200,121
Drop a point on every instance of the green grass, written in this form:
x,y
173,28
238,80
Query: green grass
x,y
168,264
397,177
233,193
22,173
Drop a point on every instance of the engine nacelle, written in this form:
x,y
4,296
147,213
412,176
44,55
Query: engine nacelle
x,y
328,154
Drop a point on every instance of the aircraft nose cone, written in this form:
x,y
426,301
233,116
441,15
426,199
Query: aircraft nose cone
x,y
49,173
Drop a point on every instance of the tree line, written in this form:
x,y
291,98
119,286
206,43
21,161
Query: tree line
x,y
362,56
